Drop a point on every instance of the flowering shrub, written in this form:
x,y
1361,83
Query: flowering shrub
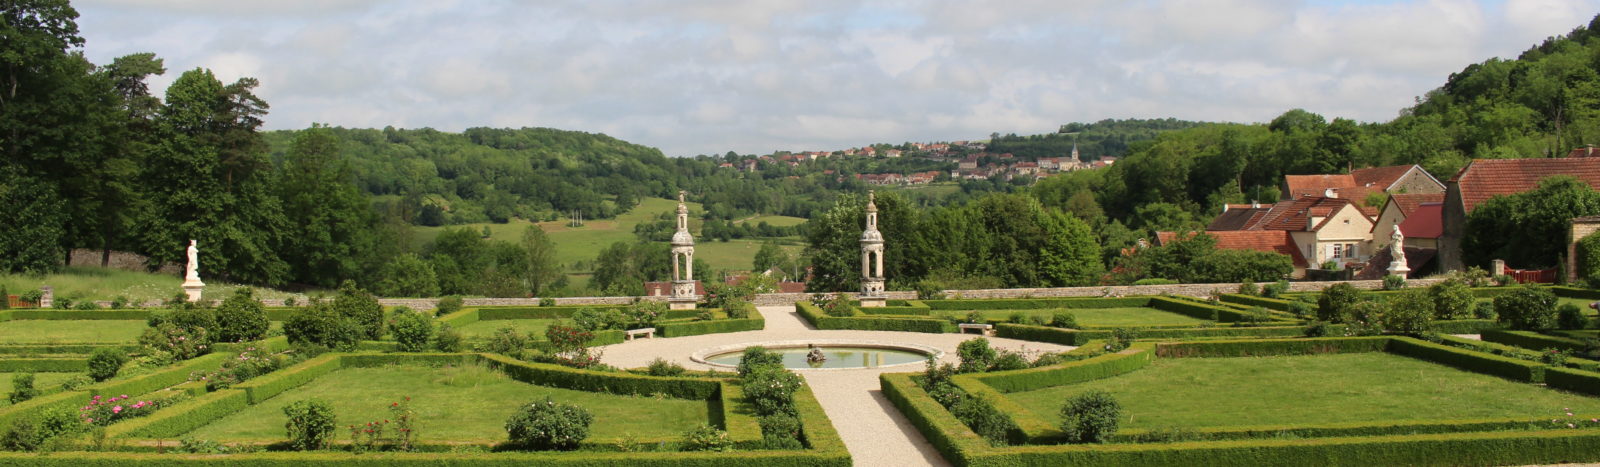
x,y
570,346
770,389
374,435
976,355
1554,357
105,411
170,341
707,438
1571,421
248,364
549,425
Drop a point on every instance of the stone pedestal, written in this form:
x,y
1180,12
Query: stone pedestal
x,y
47,297
676,303
874,302
872,293
192,289
1398,269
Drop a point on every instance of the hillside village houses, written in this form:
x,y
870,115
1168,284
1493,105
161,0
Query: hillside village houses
x,y
972,163
1328,217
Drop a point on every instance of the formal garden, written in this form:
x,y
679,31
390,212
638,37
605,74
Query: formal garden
x,y
1458,371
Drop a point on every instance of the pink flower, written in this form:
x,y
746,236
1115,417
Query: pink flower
x,y
89,420
117,409
124,396
1569,425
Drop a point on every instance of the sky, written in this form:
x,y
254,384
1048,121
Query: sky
x,y
755,76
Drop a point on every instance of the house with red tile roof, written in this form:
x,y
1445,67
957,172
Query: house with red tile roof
x,y
1482,179
1321,229
1360,183
1397,209
1423,228
1271,241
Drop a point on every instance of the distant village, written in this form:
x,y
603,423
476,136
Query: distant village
x,y
972,160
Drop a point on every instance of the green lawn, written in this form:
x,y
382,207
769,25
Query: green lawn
x,y
524,326
1309,390
41,331
41,381
94,283
775,221
455,404
574,244
1130,316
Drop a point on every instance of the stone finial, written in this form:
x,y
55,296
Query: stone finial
x,y
682,196
872,201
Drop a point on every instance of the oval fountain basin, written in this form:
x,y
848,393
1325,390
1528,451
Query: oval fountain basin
x,y
840,355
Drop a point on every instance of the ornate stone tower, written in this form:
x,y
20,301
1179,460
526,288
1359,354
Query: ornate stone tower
x,y
683,291
872,258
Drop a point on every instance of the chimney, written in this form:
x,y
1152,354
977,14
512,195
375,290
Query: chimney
x,y
1255,205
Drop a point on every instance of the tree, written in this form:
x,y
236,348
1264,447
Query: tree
x,y
770,255
1500,227
329,222
36,224
407,275
207,181
542,268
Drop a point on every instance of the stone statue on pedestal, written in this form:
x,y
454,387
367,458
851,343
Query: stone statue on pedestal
x,y
1397,253
191,278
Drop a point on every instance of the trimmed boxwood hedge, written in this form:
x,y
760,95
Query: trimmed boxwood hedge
x,y
1201,310
173,422
1037,303
1575,292
1136,356
695,328
44,365
821,320
559,312
1271,347
600,381
1133,435
1530,340
58,349
839,458
266,386
54,314
1505,367
1587,382
1251,300
944,431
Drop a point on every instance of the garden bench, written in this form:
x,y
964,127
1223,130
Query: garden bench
x,y
984,329
646,332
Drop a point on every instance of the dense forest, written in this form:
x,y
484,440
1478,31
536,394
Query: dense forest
x,y
93,159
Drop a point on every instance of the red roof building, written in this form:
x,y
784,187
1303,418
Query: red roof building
x,y
1486,178
1271,241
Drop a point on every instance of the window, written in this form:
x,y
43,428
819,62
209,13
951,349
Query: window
x,y
1338,250
1350,250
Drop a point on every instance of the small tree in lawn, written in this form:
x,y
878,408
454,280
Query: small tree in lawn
x,y
1090,417
1527,309
549,425
570,346
241,318
1336,301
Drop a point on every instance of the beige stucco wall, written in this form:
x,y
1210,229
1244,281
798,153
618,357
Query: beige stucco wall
x,y
1346,226
1416,181
1579,230
1387,219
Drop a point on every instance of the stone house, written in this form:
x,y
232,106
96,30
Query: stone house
x,y
1357,184
1397,210
1318,229
1482,179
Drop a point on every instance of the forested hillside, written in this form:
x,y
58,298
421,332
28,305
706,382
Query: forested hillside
x,y
1105,138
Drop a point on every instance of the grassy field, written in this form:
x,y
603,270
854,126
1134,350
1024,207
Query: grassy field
x,y
41,381
455,404
1131,316
70,331
574,244
775,221
1207,392
524,326
94,283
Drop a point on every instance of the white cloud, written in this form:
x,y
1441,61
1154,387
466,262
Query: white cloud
x,y
707,76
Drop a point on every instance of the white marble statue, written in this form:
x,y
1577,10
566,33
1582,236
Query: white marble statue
x,y
1397,244
193,272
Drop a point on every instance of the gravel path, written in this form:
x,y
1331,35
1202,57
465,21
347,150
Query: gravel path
x,y
875,433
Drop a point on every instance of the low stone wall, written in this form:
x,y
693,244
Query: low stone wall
x,y
778,299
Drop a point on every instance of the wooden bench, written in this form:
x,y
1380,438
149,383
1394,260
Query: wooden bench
x,y
984,329
646,332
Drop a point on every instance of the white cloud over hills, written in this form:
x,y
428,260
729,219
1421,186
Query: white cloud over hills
x,y
710,76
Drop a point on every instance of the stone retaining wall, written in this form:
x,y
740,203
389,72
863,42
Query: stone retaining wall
x,y
778,299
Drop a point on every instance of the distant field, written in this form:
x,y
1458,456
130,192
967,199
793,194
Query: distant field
x,y
94,283
574,244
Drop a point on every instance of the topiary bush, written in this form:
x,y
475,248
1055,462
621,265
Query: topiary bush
x,y
1394,282
1408,312
319,324
980,415
241,318
1484,310
756,357
780,431
1249,288
662,367
310,424
447,339
1006,360
22,388
1062,319
1452,299
1335,302
549,426
1091,417
411,329
507,341
1569,316
976,355
447,305
105,362
1527,309
361,308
